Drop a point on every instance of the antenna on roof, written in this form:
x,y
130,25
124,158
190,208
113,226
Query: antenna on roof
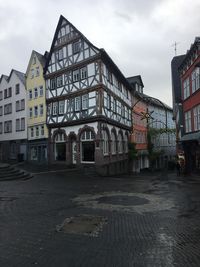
x,y
175,47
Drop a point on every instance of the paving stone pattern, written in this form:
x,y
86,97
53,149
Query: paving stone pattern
x,y
30,211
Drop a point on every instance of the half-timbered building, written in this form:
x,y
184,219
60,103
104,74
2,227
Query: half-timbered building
x,y
88,103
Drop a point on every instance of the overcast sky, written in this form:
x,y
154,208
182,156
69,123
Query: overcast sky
x,y
137,34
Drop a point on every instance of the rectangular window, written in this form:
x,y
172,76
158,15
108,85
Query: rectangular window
x,y
77,103
195,80
109,76
17,105
36,111
108,102
188,121
8,109
32,132
85,102
23,104
17,125
32,73
41,110
76,76
9,91
30,94
1,127
22,124
1,111
5,93
30,112
17,89
41,91
83,72
61,107
53,84
119,86
195,118
42,130
7,126
55,108
37,131
37,72
76,47
186,88
59,54
34,60
1,95
35,92
60,81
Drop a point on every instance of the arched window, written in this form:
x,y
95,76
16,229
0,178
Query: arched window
x,y
120,143
59,138
105,142
87,135
114,143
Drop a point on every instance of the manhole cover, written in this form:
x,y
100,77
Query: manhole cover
x,y
82,224
123,200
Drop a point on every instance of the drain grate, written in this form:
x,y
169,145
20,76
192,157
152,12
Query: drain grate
x,y
83,224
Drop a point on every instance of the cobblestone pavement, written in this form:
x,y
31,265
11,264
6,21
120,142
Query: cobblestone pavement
x,y
148,220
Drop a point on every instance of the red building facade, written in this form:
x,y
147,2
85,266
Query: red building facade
x,y
190,94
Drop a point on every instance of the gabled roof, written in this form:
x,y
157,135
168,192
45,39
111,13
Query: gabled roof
x,y
105,57
41,58
3,77
61,19
19,74
155,101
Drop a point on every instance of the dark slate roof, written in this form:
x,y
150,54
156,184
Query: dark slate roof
x,y
4,76
154,101
20,75
116,70
41,58
135,79
190,51
176,82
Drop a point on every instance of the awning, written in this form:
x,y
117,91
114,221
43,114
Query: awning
x,y
191,137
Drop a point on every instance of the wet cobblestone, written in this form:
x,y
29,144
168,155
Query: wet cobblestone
x,y
30,211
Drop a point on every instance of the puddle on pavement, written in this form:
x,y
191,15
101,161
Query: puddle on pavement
x,y
82,224
125,202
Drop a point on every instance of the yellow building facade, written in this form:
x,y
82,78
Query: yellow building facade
x,y
36,109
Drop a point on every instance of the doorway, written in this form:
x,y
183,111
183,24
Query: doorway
x,y
87,147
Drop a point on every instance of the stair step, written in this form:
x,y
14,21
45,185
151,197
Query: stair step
x,y
8,173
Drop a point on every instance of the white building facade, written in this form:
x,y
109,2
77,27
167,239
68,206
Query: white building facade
x,y
13,117
165,141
